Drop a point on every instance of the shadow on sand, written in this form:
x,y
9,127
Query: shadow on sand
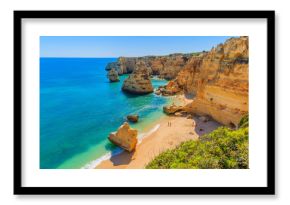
x,y
122,159
205,127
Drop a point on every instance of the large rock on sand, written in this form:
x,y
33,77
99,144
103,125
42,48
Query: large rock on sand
x,y
125,137
171,109
170,89
139,81
113,75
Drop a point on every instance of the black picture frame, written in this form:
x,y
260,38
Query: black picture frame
x,y
268,190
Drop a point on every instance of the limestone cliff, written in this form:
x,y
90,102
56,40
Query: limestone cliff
x,y
127,65
219,81
166,67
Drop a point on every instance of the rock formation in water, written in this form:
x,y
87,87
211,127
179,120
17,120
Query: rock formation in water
x,y
125,137
139,81
113,75
133,118
114,65
217,80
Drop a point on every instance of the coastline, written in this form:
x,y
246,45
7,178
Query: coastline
x,y
159,138
75,123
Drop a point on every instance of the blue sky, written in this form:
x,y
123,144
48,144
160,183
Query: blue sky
x,y
115,46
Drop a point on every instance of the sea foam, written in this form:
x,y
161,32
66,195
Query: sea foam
x,y
144,135
96,162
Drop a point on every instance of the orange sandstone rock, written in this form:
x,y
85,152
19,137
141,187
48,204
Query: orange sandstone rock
x,y
125,137
139,81
166,67
113,75
219,81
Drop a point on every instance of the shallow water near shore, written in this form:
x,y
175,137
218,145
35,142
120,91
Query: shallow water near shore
x,y
79,107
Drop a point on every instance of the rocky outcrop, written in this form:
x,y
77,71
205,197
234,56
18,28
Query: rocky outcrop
x,y
139,81
172,88
111,65
172,109
127,65
172,65
115,65
219,81
113,75
166,67
133,118
125,137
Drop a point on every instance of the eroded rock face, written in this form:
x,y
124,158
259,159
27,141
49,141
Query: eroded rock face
x,y
172,88
111,65
171,109
172,65
219,80
127,65
113,75
125,137
139,81
186,78
166,67
115,65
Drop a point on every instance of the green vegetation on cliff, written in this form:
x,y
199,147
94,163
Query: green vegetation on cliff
x,y
244,122
221,149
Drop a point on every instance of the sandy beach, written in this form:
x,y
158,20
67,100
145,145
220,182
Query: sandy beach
x,y
163,138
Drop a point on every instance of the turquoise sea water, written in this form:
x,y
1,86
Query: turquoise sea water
x,y
79,107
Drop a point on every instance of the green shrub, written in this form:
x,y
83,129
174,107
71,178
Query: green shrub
x,y
244,122
221,149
